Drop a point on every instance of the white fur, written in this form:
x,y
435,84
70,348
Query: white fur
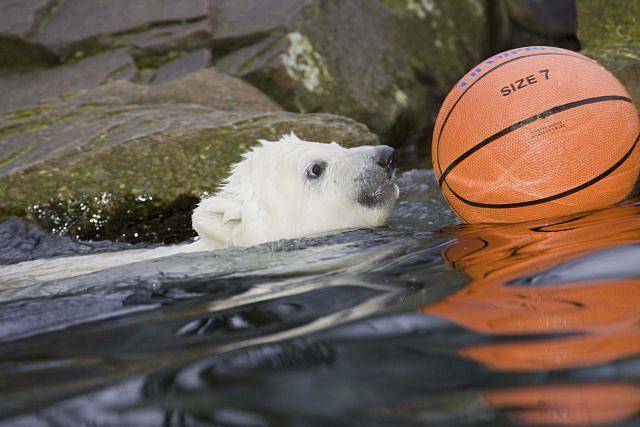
x,y
267,197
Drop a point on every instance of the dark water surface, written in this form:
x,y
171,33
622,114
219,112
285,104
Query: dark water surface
x,y
422,323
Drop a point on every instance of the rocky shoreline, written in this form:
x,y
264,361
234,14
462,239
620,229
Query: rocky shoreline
x,y
110,103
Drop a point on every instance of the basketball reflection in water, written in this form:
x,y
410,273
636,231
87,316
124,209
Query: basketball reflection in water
x,y
575,278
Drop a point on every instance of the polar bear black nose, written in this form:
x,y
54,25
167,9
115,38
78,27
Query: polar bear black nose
x,y
386,156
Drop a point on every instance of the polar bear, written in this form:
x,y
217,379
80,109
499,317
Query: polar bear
x,y
279,190
294,188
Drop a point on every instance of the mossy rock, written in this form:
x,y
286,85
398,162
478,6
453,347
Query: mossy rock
x,y
624,63
609,31
76,165
97,25
385,63
441,39
608,23
159,149
24,89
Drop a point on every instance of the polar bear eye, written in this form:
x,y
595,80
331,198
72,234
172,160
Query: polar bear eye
x,y
314,170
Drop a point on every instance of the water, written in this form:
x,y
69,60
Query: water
x,y
422,323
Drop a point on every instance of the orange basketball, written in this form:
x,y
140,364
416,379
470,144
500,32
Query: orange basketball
x,y
535,132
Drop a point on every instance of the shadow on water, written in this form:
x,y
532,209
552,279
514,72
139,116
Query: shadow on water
x,y
525,324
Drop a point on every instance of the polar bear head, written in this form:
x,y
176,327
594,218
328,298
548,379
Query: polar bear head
x,y
295,188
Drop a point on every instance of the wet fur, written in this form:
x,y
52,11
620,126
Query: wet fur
x,y
266,197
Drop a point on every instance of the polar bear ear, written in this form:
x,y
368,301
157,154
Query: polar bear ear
x,y
231,210
216,218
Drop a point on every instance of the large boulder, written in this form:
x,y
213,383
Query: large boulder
x,y
608,22
153,31
21,90
609,31
206,87
385,63
111,108
80,25
78,162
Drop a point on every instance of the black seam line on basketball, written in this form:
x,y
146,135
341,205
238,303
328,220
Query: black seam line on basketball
x,y
456,263
550,112
541,228
486,74
555,196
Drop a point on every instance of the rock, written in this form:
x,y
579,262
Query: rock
x,y
206,87
46,31
75,143
18,18
623,62
608,23
165,39
386,63
127,145
80,24
20,241
102,151
21,90
609,31
381,62
555,19
245,21
214,89
179,67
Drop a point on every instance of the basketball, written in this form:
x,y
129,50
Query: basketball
x,y
535,132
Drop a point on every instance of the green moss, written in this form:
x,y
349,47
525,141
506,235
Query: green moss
x,y
23,128
79,51
250,121
174,162
15,156
168,151
9,131
26,113
148,164
459,37
114,113
608,22
398,7
89,106
623,62
49,11
82,113
614,56
156,61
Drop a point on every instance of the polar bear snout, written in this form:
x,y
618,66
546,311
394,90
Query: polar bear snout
x,y
375,186
386,158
